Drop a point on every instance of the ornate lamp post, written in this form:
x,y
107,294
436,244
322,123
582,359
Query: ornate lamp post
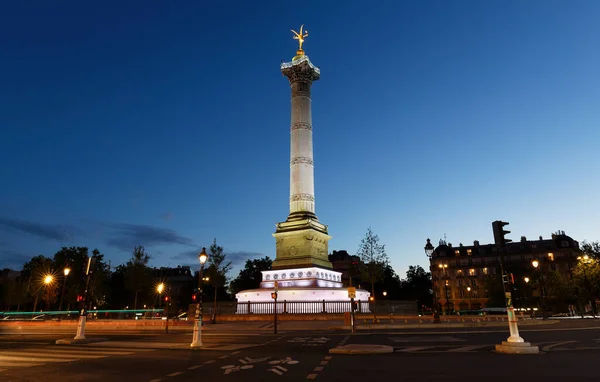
x,y
536,265
197,337
429,252
66,272
469,290
48,280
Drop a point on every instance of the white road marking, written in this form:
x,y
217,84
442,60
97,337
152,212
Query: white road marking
x,y
194,367
311,376
318,368
414,348
548,347
175,374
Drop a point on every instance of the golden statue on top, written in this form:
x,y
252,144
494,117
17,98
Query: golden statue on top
x,y
300,37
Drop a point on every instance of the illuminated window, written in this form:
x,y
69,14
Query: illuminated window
x,y
471,272
551,256
459,272
469,252
485,271
457,252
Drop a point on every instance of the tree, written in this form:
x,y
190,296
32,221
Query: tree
x,y
217,272
35,272
137,274
417,286
373,255
251,275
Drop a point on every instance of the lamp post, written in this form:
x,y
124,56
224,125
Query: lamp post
x,y
48,280
66,272
536,265
469,290
197,337
585,259
429,252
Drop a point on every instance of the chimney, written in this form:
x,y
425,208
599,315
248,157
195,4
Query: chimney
x,y
450,245
460,244
476,243
523,239
541,238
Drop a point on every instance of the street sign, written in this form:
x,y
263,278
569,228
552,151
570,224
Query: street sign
x,y
351,292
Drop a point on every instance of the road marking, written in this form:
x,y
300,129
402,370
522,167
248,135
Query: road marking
x,y
324,362
467,349
210,361
328,357
155,380
278,370
318,368
175,374
223,356
426,339
38,359
414,348
236,352
548,347
20,364
194,367
311,376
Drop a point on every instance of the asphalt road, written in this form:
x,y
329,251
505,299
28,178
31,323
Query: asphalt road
x,y
570,352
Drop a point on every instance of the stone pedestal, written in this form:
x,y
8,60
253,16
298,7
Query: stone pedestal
x,y
517,348
301,243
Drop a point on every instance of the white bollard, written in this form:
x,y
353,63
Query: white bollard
x,y
80,329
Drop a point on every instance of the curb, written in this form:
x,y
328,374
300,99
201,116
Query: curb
x,y
362,349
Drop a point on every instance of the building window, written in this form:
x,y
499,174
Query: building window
x,y
461,293
459,272
458,263
474,282
553,266
485,271
460,282
551,256
471,272
474,293
470,262
457,252
483,261
469,252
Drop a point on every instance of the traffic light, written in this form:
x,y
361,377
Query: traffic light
x,y
274,296
79,298
500,232
194,297
166,298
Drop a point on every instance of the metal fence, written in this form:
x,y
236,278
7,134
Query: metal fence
x,y
300,307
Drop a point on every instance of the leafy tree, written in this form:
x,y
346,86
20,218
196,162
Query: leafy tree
x,y
373,255
251,275
217,272
418,286
586,280
35,272
137,274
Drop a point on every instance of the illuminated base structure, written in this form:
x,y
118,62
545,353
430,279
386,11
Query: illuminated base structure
x,y
301,290
302,270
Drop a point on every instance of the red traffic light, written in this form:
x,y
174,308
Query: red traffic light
x,y
194,297
166,298
274,295
79,298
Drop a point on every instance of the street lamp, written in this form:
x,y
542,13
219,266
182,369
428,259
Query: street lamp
x,y
429,252
585,260
66,272
469,290
197,337
48,280
536,265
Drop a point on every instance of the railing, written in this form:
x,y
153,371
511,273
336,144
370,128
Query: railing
x,y
300,307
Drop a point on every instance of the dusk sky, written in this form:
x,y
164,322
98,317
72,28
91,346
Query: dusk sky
x,y
132,123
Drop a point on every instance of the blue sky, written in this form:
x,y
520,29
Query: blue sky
x,y
166,125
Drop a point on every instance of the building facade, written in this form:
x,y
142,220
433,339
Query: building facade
x,y
461,275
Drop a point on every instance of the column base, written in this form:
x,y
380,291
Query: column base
x,y
517,348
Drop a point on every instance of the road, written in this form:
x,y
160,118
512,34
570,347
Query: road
x,y
570,352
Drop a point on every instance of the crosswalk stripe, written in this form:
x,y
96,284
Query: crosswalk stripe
x,y
38,359
415,348
467,349
18,364
53,355
79,351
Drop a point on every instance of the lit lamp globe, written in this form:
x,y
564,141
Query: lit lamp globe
x,y
535,263
203,257
67,271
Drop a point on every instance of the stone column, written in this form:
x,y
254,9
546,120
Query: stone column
x,y
301,74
